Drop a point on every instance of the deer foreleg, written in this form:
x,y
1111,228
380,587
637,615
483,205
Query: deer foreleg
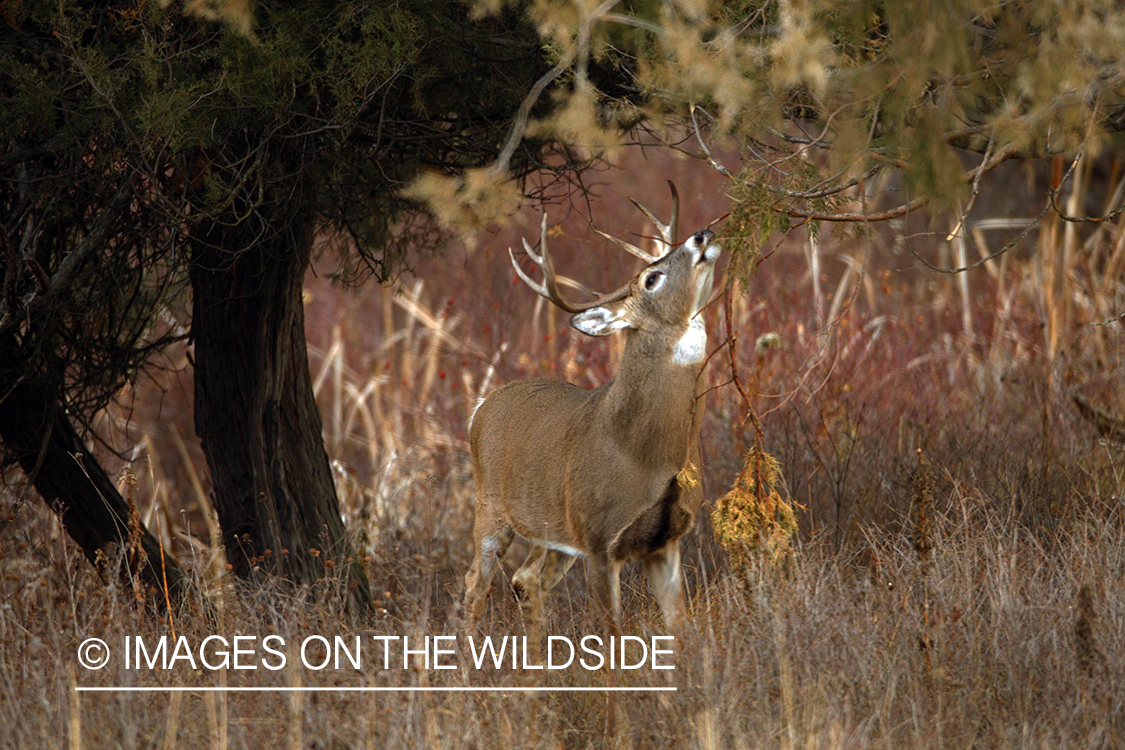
x,y
662,568
604,575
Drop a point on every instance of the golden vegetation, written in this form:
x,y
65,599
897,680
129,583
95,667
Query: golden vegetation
x,y
954,582
755,520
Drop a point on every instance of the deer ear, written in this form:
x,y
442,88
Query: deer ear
x,y
600,321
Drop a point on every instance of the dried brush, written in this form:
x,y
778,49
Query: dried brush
x,y
755,520
923,482
1090,658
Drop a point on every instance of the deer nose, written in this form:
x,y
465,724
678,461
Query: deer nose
x,y
701,243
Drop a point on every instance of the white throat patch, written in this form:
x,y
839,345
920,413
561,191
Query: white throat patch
x,y
691,349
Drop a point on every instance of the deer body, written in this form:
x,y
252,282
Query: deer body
x,y
610,451
598,473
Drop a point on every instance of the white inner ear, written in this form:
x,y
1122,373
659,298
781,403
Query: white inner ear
x,y
600,321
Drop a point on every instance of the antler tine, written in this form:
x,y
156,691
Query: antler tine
x,y
549,289
633,249
667,231
535,286
674,221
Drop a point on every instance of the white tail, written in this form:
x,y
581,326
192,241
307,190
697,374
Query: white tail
x,y
608,474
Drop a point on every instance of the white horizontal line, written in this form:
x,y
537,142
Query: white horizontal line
x,y
252,689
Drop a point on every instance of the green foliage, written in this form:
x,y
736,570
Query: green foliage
x,y
130,127
752,220
356,96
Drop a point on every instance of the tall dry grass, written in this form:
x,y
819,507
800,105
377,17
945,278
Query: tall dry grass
x,y
1004,641
957,580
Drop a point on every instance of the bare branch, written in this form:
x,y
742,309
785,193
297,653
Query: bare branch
x,y
1019,238
706,151
1003,154
519,125
972,196
93,240
893,213
1081,219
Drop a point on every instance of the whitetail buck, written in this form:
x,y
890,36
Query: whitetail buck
x,y
608,474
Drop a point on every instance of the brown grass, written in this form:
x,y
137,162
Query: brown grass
x,y
956,581
826,655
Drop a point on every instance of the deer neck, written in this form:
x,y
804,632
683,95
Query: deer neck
x,y
653,406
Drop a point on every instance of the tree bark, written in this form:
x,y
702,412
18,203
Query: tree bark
x,y
37,433
254,408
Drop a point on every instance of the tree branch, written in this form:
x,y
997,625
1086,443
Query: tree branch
x,y
94,239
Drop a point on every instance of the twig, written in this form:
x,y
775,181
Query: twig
x,y
991,256
1010,245
1107,425
732,352
973,196
1108,321
1082,219
519,126
707,151
860,217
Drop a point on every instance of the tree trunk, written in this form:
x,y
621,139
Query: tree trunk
x,y
37,433
254,408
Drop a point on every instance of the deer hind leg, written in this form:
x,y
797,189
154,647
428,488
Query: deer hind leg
x,y
662,568
541,571
490,548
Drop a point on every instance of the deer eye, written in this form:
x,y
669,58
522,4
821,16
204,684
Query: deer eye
x,y
654,280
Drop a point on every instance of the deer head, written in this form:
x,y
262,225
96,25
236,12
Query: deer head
x,y
600,473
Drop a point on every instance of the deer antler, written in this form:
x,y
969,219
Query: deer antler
x,y
667,231
549,289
